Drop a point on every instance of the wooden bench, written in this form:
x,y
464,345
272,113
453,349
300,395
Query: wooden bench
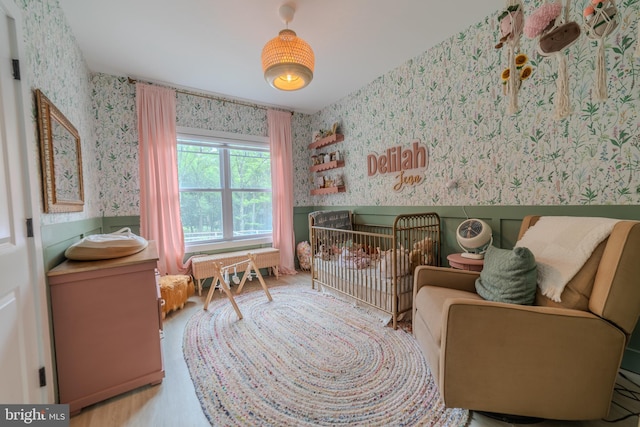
x,y
204,266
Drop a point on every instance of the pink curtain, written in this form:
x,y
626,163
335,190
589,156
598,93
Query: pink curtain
x,y
281,144
159,195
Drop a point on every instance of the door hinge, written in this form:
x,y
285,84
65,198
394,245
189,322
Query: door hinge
x,y
16,69
29,227
43,377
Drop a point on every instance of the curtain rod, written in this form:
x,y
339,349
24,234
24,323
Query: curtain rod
x,y
213,97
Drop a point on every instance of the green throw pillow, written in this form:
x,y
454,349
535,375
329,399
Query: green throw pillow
x,y
508,276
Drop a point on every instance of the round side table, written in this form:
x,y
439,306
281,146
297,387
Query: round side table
x,y
462,263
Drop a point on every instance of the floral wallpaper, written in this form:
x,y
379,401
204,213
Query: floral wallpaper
x,y
53,63
204,113
116,124
114,108
451,98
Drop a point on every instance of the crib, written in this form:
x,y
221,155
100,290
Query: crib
x,y
372,264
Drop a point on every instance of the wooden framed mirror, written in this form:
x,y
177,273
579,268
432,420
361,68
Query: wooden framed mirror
x,y
61,159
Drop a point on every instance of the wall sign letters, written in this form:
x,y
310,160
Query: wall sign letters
x,y
405,163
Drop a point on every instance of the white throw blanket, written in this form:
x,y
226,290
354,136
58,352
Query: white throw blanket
x,y
561,246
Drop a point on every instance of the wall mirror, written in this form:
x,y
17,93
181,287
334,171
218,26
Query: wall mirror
x,y
61,159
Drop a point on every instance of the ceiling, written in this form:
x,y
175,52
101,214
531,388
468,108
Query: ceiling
x,y
214,46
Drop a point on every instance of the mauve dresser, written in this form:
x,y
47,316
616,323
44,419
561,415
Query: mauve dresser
x,y
106,327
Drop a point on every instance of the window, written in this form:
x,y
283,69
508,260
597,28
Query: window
x,y
225,187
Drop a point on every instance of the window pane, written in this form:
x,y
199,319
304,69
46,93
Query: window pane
x,y
198,166
201,213
251,213
225,188
250,169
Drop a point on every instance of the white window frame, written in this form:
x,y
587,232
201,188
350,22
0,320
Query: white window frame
x,y
234,140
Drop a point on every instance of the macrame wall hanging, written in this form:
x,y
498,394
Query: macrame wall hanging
x,y
550,24
601,19
638,41
511,24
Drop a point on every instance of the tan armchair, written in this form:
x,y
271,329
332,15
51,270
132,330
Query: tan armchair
x,y
546,360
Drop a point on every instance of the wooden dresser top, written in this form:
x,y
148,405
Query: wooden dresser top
x,y
150,253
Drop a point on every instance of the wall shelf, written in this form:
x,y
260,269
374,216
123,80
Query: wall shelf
x,y
327,166
327,140
322,167
328,190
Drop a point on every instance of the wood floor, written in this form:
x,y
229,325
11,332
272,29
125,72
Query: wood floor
x,y
174,402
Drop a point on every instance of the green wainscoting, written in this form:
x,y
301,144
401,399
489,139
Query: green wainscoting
x,y
504,221
56,238
112,224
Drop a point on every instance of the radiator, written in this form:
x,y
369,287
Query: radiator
x,y
203,265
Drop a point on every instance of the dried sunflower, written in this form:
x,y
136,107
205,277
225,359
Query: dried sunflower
x,y
505,75
526,73
521,59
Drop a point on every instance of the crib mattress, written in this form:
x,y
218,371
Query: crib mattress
x,y
366,284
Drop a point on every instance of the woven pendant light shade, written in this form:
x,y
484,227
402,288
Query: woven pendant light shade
x,y
288,61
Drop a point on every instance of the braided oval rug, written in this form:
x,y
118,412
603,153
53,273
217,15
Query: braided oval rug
x,y
308,359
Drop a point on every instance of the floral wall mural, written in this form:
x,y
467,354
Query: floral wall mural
x,y
114,108
53,63
451,98
205,113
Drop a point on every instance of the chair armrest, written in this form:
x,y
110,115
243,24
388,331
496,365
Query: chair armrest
x,y
540,355
445,278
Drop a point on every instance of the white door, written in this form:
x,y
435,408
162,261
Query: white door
x,y
19,350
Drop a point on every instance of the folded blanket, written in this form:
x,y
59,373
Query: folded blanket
x,y
561,246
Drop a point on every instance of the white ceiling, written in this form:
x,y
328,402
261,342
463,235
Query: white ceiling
x,y
214,46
